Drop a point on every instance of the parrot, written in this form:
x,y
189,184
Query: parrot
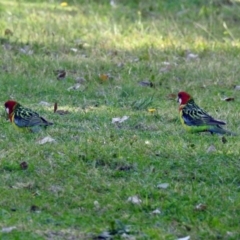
x,y
195,119
24,118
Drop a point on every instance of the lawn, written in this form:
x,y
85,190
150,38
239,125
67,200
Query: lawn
x,y
144,177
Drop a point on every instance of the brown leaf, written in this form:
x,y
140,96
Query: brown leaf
x,y
62,112
104,77
192,145
34,208
152,110
23,165
224,140
55,107
200,207
8,32
172,96
228,99
113,53
61,74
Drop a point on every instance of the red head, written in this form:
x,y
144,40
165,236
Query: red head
x,y
9,106
183,98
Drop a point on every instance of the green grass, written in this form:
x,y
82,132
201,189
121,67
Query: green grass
x,y
78,187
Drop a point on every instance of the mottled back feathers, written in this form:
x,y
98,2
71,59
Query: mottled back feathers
x,y
25,118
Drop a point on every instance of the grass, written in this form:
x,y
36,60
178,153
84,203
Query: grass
x,y
78,186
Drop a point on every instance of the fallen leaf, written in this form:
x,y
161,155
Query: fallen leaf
x,y
163,185
135,60
112,3
172,96
26,50
192,145
46,140
7,46
34,208
152,110
134,200
200,207
23,165
73,49
8,32
80,80
55,107
96,205
191,56
104,77
156,211
56,189
167,66
184,238
120,65
146,83
74,87
228,99
125,168
45,103
7,229
21,185
61,74
166,63
119,119
211,149
237,87
230,233
224,140
104,235
113,53
63,4
60,112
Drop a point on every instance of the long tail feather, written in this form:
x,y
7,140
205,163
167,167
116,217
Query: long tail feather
x,y
219,130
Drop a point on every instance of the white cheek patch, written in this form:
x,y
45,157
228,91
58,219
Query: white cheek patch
x,y
180,100
7,110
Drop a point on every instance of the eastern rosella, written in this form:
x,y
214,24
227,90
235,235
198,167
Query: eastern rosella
x,y
24,118
195,119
